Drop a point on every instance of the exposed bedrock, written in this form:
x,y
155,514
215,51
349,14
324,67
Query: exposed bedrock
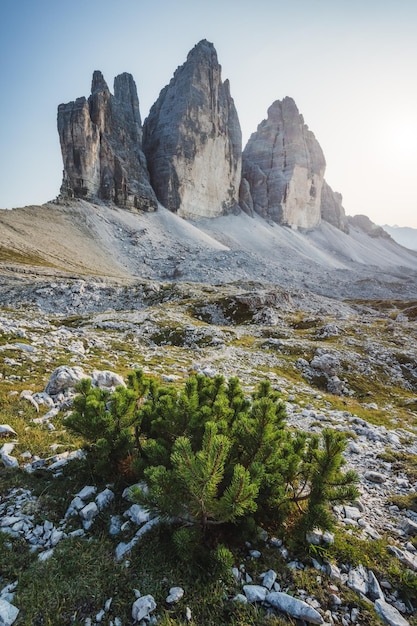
x,y
101,144
284,166
192,140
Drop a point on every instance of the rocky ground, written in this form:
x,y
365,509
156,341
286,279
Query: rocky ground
x,y
112,290
351,365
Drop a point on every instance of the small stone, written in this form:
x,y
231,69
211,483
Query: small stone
x,y
240,598
8,613
269,579
104,498
142,607
255,554
294,607
314,536
375,477
6,430
89,512
175,595
87,492
254,593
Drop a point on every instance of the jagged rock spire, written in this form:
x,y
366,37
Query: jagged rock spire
x,y
192,139
284,165
101,144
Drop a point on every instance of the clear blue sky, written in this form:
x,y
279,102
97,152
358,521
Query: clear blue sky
x,y
350,65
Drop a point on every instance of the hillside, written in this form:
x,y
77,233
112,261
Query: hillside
x,y
80,239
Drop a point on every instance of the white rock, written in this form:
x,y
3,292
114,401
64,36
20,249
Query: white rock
x,y
374,590
175,595
255,593
8,613
43,556
87,492
294,607
390,614
142,607
8,460
64,378
56,536
269,579
240,598
351,512
89,512
5,429
104,498
358,579
138,514
314,536
106,379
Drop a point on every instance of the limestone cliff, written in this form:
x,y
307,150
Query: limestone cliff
x,y
192,140
331,208
284,167
101,144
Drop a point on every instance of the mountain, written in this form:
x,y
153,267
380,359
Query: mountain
x,y
264,214
192,140
188,154
403,235
101,144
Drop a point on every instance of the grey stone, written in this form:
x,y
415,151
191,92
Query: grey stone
x,y
8,613
175,595
269,579
86,493
101,145
104,499
106,379
375,477
89,512
389,614
358,579
63,378
142,607
284,165
294,607
255,593
192,140
6,430
374,590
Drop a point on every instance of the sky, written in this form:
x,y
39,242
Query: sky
x,y
350,65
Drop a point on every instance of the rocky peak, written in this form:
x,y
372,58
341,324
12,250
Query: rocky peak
x,y
101,144
283,166
192,139
331,208
362,222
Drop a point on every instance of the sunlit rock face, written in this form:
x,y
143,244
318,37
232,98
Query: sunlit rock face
x,y
284,167
331,208
101,145
192,140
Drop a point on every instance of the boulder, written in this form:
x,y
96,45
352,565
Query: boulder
x,y
293,607
8,613
192,140
142,608
389,614
64,378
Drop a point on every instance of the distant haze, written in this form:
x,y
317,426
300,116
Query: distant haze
x,y
403,235
350,65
